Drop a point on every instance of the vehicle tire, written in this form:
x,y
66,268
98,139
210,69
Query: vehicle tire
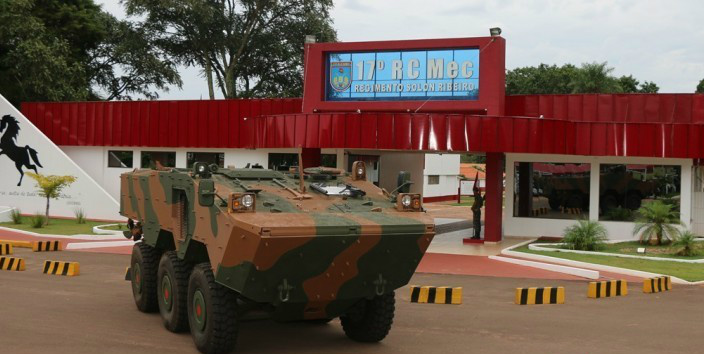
x,y
212,312
172,290
609,201
633,200
554,202
575,200
370,320
143,268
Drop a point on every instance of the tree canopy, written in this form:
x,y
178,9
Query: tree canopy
x,y
54,50
700,87
253,48
588,78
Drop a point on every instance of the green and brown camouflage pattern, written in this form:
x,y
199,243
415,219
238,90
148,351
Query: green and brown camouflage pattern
x,y
310,258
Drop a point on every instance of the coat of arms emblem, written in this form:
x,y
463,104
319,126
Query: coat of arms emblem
x,y
340,75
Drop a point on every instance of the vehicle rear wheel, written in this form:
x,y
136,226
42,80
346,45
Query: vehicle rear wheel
x,y
633,200
144,264
370,320
609,201
212,312
172,290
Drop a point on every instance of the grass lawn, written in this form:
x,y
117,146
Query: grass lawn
x,y
56,227
665,251
686,271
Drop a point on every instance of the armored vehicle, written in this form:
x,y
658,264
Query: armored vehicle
x,y
618,188
218,245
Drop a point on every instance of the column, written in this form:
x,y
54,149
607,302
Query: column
x,y
494,197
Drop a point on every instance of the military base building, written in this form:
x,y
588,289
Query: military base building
x,y
411,105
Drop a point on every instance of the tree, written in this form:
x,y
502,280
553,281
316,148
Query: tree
x,y
595,78
253,48
543,79
700,87
656,222
687,243
50,187
649,87
628,84
71,50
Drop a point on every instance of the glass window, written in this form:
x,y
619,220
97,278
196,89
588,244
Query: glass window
x,y
328,160
433,179
165,158
282,162
207,157
121,159
551,190
623,188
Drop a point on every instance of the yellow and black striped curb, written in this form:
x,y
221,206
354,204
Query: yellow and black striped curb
x,y
538,296
44,246
61,268
5,249
18,244
436,295
657,284
599,289
11,263
539,211
571,211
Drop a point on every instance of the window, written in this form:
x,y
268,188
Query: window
x,y
328,160
120,159
165,158
207,157
282,162
433,179
551,190
624,188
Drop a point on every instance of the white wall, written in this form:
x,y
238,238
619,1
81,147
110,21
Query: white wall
x,y
447,167
536,227
85,193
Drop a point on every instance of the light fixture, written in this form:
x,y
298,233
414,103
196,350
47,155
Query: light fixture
x,y
495,31
247,201
406,201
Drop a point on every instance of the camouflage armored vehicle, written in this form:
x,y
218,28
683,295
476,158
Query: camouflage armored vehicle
x,y
618,187
218,244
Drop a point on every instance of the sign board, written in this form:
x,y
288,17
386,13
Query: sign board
x,y
439,74
24,148
453,75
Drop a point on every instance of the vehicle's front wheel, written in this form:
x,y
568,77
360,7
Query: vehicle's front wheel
x,y
212,312
144,264
172,290
370,320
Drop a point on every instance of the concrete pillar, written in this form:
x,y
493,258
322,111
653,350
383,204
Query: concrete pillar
x,y
494,197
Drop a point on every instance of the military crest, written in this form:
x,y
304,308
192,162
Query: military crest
x,y
340,75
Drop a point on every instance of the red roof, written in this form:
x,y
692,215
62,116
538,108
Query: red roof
x,y
275,124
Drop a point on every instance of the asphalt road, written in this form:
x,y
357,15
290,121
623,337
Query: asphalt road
x,y
94,313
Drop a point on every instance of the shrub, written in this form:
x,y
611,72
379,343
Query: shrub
x,y
619,214
37,221
586,235
686,241
656,220
80,216
16,216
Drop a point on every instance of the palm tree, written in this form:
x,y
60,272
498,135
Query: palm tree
x,y
586,235
656,219
685,241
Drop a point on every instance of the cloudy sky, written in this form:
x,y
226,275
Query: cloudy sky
x,y
660,41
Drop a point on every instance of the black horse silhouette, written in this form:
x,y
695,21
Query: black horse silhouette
x,y
20,155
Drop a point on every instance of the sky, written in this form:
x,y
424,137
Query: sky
x,y
659,41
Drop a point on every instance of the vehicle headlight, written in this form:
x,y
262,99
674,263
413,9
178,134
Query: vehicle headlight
x,y
406,200
247,201
360,171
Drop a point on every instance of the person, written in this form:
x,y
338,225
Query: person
x,y
477,212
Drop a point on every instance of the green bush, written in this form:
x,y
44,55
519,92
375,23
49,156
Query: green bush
x,y
80,216
16,216
686,242
619,214
656,221
586,235
38,221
